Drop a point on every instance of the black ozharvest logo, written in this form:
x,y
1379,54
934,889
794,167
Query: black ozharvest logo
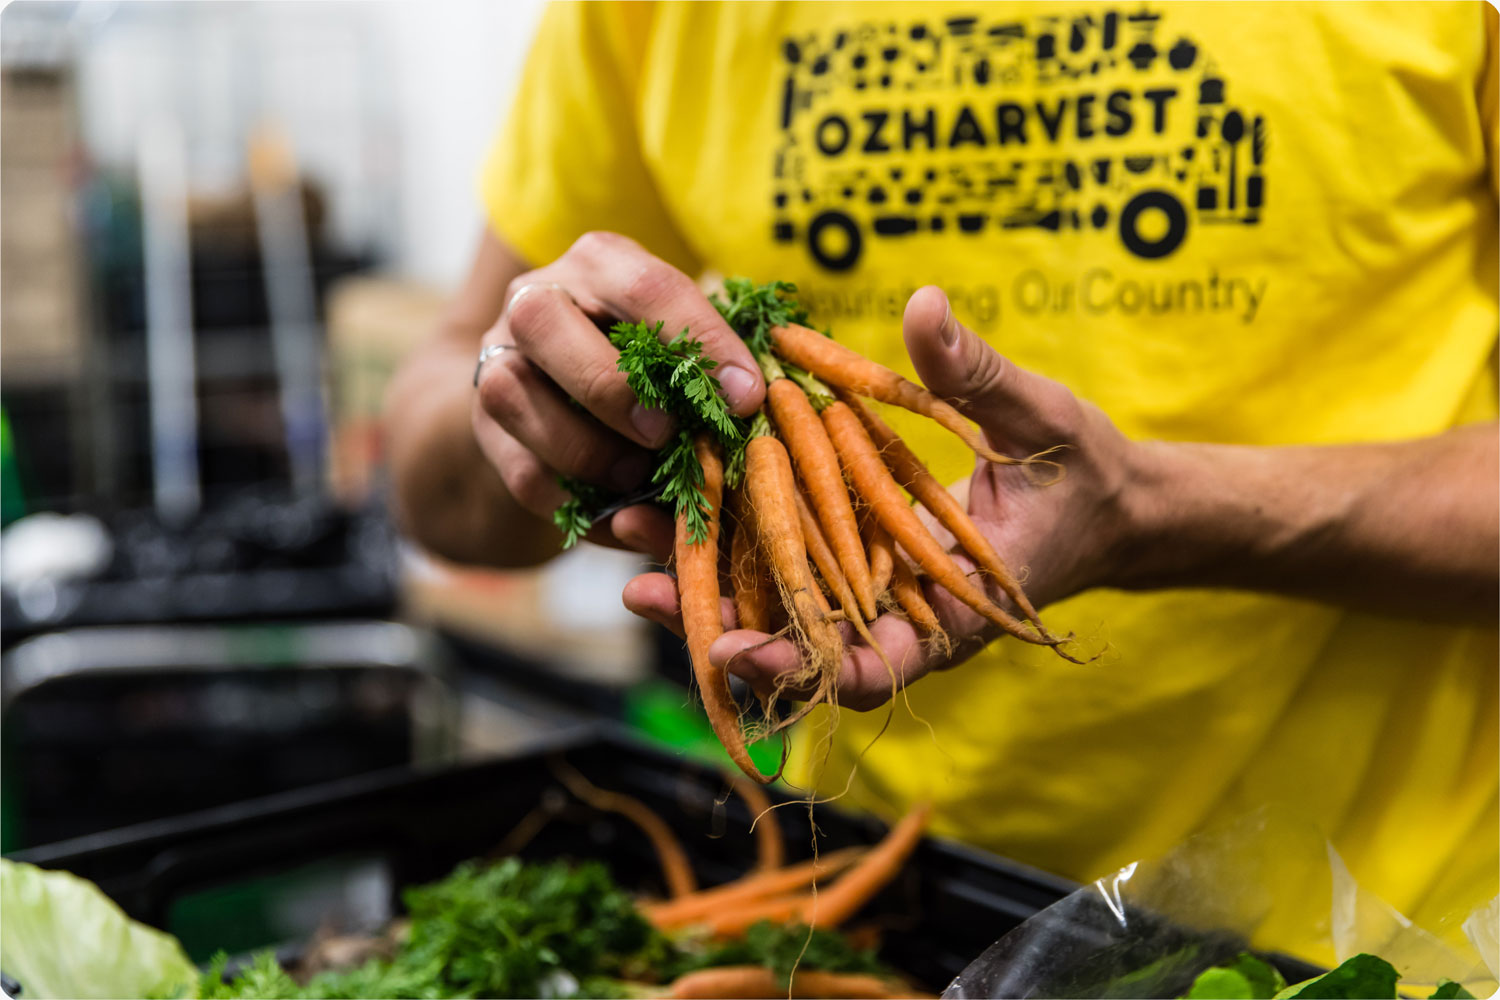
x,y
885,160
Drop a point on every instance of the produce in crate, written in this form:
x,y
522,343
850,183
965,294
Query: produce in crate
x,y
795,480
556,929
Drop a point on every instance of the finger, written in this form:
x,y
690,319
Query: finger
x,y
954,363
864,680
531,483
645,528
534,411
653,596
534,486
558,338
631,284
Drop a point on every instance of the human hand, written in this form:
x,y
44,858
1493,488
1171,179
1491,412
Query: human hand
x,y
522,418
1067,535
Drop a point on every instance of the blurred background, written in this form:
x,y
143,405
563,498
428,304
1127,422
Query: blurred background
x,y
221,227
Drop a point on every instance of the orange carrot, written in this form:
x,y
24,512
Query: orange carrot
x,y
818,470
817,546
822,555
676,870
912,473
873,480
771,485
702,617
817,592
909,595
838,365
750,888
844,897
728,923
752,603
750,982
882,551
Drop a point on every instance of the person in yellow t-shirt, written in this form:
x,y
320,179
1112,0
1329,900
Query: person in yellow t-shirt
x,y
1241,258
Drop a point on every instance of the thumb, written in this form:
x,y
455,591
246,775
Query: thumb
x,y
1010,404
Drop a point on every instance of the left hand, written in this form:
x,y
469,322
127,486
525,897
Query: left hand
x,y
1067,536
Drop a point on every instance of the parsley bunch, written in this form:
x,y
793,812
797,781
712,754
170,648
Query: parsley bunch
x,y
673,376
512,929
497,930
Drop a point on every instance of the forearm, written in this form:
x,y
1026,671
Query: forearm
x,y
1411,528
446,496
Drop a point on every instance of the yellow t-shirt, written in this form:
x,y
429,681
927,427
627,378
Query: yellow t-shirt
x,y
1249,223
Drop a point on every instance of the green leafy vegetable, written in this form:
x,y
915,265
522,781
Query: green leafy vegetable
x,y
502,930
262,979
1363,977
538,930
573,516
1447,989
1245,978
62,937
783,948
751,310
675,377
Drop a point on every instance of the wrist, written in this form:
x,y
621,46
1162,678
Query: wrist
x,y
1154,540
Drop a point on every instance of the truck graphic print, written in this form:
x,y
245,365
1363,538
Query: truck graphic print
x,y
1118,132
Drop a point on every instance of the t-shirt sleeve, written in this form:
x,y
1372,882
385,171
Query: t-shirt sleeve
x,y
1489,94
568,159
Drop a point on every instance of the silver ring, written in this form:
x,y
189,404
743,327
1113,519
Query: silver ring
x,y
486,354
535,285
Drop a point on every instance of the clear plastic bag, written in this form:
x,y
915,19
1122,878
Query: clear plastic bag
x,y
1270,883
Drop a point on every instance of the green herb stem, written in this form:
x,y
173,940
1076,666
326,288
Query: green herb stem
x,y
817,390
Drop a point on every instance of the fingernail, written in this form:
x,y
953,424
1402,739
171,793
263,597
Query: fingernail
x,y
738,385
949,330
650,424
629,471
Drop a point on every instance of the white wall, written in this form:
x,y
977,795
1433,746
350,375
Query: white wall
x,y
454,66
390,106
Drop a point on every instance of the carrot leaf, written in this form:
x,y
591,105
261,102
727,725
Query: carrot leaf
x,y
751,310
575,515
671,375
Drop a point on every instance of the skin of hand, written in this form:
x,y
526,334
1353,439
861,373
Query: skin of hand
x,y
1069,520
476,471
1336,523
524,415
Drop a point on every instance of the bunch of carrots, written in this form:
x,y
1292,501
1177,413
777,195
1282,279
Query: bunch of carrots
x,y
772,891
791,895
812,493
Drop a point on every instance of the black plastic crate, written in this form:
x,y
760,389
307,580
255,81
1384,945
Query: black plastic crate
x,y
407,826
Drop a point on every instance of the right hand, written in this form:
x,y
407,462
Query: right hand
x,y
522,419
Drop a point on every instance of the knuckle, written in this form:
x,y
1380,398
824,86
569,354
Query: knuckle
x,y
597,242
503,387
528,481
652,282
601,390
578,456
530,313
991,372
519,282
